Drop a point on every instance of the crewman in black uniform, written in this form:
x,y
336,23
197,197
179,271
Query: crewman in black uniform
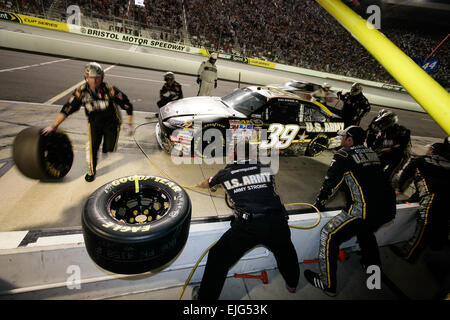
x,y
370,203
170,91
431,176
101,102
260,219
391,141
356,105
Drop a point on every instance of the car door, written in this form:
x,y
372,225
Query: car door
x,y
281,119
314,120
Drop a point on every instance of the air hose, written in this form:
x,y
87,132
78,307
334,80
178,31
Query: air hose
x,y
212,245
193,188
195,268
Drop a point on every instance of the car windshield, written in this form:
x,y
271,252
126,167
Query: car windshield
x,y
244,101
296,84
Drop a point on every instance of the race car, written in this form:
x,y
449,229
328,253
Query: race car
x,y
307,90
270,117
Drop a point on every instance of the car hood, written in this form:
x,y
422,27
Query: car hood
x,y
210,106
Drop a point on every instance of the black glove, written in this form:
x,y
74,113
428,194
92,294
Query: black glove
x,y
198,80
215,84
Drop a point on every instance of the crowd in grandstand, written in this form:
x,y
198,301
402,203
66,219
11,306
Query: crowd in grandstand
x,y
298,33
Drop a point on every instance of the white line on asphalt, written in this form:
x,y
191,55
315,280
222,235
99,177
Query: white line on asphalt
x,y
133,78
142,79
53,105
67,91
33,65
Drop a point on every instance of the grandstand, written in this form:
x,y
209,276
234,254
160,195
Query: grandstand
x,y
297,33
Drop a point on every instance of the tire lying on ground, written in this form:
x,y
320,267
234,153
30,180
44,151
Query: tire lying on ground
x,y
136,224
42,157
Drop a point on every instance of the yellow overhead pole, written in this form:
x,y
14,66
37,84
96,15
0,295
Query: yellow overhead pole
x,y
423,88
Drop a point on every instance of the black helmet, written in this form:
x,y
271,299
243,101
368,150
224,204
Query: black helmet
x,y
169,76
385,120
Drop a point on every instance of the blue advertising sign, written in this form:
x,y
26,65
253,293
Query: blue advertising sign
x,y
429,65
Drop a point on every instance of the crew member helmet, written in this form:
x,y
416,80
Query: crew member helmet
x,y
326,86
93,69
385,120
356,89
169,76
213,56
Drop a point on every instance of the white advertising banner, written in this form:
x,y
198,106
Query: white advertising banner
x,y
131,39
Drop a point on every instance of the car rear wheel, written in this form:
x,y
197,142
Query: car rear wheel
x,y
317,145
136,224
42,157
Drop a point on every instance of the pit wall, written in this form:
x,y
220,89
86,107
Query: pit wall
x,y
54,264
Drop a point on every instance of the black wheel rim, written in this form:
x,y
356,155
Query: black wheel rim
x,y
147,205
57,154
318,146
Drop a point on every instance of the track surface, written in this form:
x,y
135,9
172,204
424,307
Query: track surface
x,y
35,86
37,78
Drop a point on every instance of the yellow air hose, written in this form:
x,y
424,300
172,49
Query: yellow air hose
x,y
195,268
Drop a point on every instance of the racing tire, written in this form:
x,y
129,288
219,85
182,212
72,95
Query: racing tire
x,y
317,145
136,224
42,157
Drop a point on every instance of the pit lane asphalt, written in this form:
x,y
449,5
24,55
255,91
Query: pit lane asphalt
x,y
29,80
33,204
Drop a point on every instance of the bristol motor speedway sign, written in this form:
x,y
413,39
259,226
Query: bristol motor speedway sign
x,y
109,35
122,37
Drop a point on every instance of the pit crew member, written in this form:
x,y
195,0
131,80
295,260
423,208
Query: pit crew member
x,y
370,203
355,105
207,76
170,91
260,219
431,176
100,101
391,141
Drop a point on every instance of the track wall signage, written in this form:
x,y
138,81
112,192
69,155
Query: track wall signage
x,y
154,43
32,21
122,37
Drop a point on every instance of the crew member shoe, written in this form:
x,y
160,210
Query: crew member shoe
x,y
290,289
314,279
89,178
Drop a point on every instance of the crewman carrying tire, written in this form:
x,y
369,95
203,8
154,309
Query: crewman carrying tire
x,y
100,102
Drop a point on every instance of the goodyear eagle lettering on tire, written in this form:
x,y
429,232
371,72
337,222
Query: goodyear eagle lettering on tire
x,y
136,224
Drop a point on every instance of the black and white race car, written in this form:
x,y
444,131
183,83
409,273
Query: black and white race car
x,y
271,117
310,90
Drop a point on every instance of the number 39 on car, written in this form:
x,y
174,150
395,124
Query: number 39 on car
x,y
272,117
